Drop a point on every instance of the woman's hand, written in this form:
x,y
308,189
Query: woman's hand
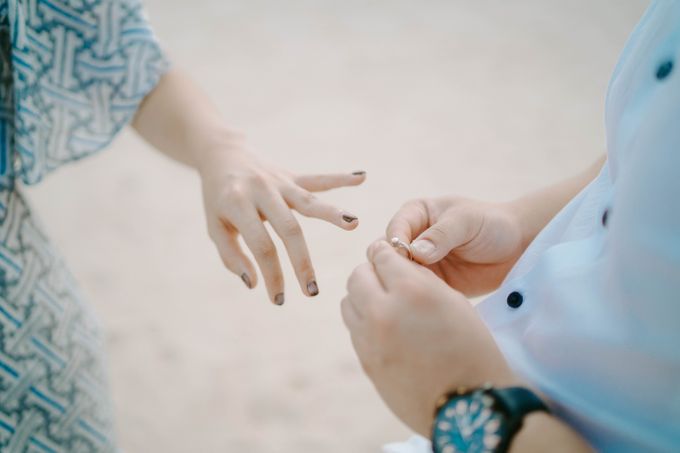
x,y
470,244
416,337
241,192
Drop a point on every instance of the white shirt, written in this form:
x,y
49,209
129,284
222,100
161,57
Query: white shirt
x,y
598,330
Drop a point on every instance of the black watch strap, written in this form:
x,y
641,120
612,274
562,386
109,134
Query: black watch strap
x,y
515,403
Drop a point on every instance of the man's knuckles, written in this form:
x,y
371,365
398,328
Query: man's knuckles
x,y
383,319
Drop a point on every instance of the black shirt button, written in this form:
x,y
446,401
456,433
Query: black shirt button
x,y
605,217
664,69
515,299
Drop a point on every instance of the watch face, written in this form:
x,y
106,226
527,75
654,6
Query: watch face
x,y
468,424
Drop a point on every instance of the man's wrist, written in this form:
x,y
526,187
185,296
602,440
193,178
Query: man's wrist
x,y
487,417
522,215
543,432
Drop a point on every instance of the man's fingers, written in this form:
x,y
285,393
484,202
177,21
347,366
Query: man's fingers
x,y
309,206
449,232
364,287
411,220
430,242
350,315
390,267
256,237
279,215
319,183
357,326
232,255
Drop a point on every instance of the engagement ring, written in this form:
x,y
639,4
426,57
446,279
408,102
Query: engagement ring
x,y
399,244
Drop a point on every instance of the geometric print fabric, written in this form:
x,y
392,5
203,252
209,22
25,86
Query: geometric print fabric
x,y
53,394
75,74
72,75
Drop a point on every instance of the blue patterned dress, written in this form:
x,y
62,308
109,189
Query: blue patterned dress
x,y
72,74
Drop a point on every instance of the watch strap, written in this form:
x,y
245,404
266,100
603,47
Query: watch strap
x,y
516,403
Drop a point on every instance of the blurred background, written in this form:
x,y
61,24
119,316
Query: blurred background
x,y
486,98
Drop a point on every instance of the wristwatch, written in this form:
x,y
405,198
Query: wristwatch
x,y
484,419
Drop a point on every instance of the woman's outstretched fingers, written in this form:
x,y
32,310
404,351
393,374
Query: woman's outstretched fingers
x,y
279,215
308,205
320,183
256,237
232,255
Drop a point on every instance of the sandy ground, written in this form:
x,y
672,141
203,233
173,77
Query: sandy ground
x,y
486,98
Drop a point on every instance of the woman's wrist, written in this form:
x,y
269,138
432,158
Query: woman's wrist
x,y
216,148
179,120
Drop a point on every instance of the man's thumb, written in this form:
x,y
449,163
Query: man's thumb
x,y
437,241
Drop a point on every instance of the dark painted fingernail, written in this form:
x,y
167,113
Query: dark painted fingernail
x,y
312,288
279,299
246,280
348,218
359,173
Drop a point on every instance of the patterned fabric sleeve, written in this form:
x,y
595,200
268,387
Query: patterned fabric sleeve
x,y
79,70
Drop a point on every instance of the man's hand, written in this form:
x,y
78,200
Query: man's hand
x,y
470,244
416,337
